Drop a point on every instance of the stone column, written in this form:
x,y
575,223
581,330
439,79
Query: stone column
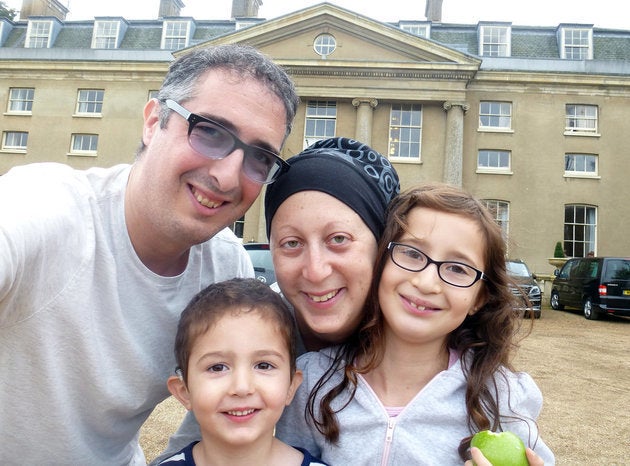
x,y
454,144
364,107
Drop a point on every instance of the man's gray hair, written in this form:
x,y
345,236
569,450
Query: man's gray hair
x,y
180,83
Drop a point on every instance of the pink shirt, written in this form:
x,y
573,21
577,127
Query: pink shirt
x,y
394,411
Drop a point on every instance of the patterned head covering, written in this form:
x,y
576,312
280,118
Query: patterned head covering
x,y
346,169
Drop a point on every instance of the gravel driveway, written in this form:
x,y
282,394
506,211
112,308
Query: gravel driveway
x,y
583,370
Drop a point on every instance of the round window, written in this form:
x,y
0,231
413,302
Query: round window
x,y
324,45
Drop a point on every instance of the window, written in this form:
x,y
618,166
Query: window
x,y
242,23
84,144
495,115
14,140
494,41
405,131
105,35
153,94
580,164
493,160
21,100
90,101
238,227
576,43
321,120
324,45
421,30
580,222
175,35
581,118
500,210
38,34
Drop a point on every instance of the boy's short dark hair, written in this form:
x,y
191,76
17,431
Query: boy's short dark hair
x,y
233,297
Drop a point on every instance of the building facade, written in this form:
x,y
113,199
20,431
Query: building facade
x,y
530,119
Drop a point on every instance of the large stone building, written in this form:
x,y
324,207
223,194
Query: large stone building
x,y
533,120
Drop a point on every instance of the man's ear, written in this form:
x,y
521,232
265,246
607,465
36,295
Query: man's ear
x,y
151,120
178,389
296,381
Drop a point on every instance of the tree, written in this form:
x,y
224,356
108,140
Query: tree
x,y
6,12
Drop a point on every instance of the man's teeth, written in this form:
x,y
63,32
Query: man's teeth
x,y
241,413
206,202
326,297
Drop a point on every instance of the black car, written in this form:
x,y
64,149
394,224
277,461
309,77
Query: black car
x,y
525,287
596,285
260,254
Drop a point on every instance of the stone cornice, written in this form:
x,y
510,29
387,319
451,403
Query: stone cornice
x,y
451,75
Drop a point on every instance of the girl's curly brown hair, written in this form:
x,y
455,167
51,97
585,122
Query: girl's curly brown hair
x,y
486,338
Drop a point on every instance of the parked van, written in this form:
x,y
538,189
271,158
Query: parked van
x,y
597,285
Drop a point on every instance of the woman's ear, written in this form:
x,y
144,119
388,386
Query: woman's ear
x,y
178,389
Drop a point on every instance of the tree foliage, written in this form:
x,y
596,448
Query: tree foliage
x,y
6,12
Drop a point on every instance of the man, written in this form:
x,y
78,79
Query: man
x,y
96,265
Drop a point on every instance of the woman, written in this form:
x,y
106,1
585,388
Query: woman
x,y
324,217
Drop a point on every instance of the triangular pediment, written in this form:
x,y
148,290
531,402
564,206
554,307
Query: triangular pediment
x,y
361,42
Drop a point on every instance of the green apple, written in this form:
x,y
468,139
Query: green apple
x,y
500,448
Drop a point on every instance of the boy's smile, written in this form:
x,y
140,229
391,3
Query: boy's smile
x,y
239,380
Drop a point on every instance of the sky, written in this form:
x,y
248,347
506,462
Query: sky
x,y
600,13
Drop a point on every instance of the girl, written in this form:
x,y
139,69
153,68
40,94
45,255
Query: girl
x,y
430,365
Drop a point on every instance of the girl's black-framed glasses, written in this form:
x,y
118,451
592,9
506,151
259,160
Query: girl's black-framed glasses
x,y
414,260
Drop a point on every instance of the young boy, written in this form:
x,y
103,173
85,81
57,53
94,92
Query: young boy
x,y
236,349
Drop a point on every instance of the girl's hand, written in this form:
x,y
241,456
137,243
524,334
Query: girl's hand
x,y
533,458
479,460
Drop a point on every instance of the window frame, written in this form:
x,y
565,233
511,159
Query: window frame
x,y
498,169
587,231
323,114
169,35
22,148
98,35
238,227
495,40
28,100
35,37
500,211
579,115
408,122
581,173
569,46
85,103
324,44
417,29
80,151
497,115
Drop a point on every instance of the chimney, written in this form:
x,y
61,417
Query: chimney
x,y
43,8
433,10
170,8
245,8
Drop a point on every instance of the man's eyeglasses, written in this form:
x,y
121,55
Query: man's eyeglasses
x,y
214,141
454,273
